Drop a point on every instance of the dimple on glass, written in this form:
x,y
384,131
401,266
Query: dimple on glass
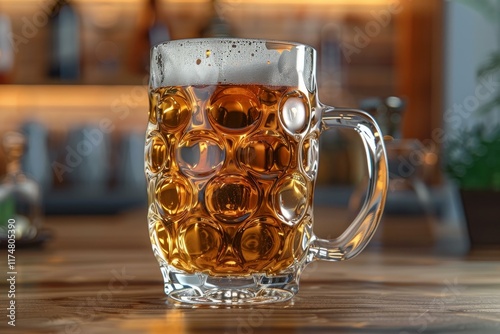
x,y
231,159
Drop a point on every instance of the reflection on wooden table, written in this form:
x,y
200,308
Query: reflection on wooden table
x,y
99,275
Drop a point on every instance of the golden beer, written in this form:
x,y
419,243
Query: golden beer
x,y
230,173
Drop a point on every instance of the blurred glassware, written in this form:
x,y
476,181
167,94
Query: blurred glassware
x,y
388,112
65,51
131,166
20,196
411,165
217,25
410,161
152,29
36,160
88,150
331,59
6,48
158,31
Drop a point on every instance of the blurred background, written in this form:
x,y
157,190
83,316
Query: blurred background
x,y
73,77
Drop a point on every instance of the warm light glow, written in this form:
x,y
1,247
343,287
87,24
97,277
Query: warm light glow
x,y
60,107
229,2
431,158
173,322
304,2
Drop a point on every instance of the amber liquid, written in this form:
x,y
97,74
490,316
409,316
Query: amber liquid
x,y
231,172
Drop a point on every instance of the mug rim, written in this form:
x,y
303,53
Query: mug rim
x,y
270,43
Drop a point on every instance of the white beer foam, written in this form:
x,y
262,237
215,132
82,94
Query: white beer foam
x,y
231,61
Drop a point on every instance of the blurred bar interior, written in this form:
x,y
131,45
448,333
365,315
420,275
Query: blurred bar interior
x,y
74,75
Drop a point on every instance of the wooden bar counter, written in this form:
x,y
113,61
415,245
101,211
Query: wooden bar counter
x,y
98,275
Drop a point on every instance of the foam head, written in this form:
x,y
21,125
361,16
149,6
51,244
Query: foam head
x,y
215,61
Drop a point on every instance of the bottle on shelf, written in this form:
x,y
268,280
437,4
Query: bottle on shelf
x,y
217,25
36,159
65,48
158,31
6,49
152,29
20,196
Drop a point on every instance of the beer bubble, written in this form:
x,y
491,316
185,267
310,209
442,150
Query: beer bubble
x,y
174,197
260,242
290,199
163,239
231,198
265,153
156,152
200,154
234,109
174,112
200,241
294,112
310,155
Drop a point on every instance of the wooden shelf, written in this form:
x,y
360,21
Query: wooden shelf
x,y
59,107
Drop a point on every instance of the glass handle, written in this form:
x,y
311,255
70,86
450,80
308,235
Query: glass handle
x,y
359,233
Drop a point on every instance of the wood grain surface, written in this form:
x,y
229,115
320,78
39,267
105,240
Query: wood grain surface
x,y
98,275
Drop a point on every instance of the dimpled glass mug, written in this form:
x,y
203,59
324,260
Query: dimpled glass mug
x,y
231,158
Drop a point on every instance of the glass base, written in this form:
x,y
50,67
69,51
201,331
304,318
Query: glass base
x,y
200,288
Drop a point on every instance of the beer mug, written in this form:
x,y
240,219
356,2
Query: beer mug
x,y
231,159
